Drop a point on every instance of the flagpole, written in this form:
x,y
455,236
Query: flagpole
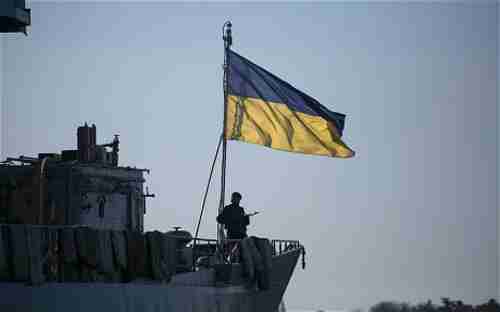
x,y
228,40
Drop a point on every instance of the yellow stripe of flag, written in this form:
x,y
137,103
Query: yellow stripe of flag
x,y
276,126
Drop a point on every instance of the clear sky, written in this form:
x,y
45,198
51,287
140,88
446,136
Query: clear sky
x,y
413,216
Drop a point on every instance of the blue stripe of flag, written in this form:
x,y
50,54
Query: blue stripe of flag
x,y
250,80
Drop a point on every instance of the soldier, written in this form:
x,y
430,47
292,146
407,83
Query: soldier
x,y
234,218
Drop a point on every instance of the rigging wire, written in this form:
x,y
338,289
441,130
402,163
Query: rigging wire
x,y
206,192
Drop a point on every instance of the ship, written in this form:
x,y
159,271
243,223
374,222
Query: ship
x,y
72,239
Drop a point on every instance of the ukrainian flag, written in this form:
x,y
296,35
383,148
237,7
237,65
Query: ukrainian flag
x,y
263,109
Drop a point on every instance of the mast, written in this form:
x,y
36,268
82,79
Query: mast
x,y
228,40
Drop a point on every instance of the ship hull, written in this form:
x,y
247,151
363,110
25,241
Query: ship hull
x,y
193,292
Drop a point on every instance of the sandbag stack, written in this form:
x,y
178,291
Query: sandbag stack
x,y
34,254
256,258
70,270
87,240
34,238
154,247
119,254
169,256
162,252
136,248
52,251
19,252
4,265
105,261
265,250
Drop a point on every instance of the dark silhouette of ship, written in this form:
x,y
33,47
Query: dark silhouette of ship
x,y
14,16
72,239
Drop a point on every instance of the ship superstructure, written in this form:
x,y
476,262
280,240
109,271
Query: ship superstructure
x,y
75,187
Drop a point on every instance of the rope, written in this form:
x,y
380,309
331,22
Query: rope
x,y
206,193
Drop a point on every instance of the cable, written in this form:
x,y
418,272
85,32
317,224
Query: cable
x,y
206,193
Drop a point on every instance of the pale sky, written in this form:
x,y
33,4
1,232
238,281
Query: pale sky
x,y
412,217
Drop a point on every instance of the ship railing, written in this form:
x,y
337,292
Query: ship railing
x,y
206,248
281,245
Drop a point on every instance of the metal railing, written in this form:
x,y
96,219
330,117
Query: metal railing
x,y
205,248
280,245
